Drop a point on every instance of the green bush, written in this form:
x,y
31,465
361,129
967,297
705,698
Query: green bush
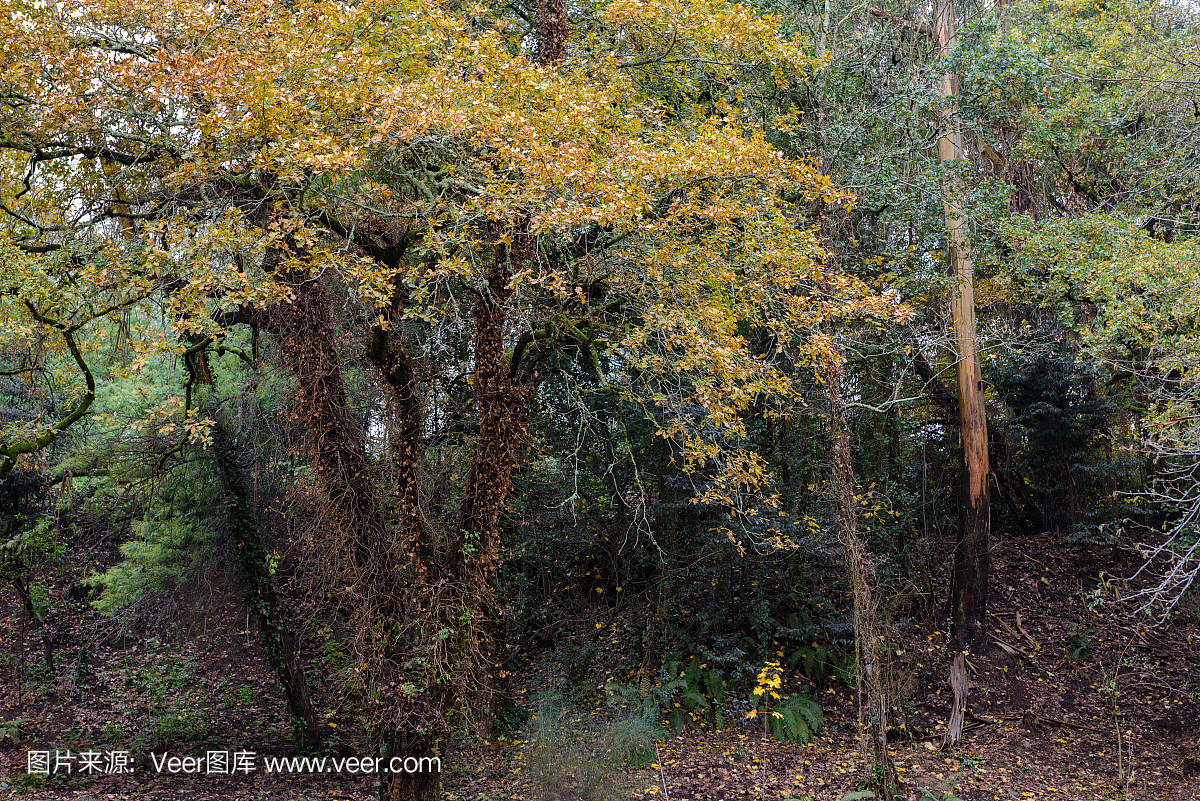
x,y
794,722
631,738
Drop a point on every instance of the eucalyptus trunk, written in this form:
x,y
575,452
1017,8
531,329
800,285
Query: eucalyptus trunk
x,y
969,583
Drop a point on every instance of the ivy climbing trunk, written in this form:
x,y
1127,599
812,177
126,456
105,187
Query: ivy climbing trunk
x,y
262,595
860,571
399,375
376,568
552,30
969,583
503,406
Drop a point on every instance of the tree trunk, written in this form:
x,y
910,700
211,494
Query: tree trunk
x,y
1025,510
396,368
552,31
969,584
303,325
860,569
503,406
377,573
262,596
405,783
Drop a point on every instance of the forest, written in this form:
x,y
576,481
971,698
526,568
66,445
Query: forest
x,y
600,400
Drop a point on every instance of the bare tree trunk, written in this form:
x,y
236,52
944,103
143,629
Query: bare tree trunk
x,y
969,584
860,569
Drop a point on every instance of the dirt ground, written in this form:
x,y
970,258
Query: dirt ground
x,y
1084,701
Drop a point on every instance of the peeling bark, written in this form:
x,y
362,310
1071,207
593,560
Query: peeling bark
x,y
1013,490
969,584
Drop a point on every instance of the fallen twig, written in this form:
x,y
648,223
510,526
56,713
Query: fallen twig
x,y
661,776
1010,650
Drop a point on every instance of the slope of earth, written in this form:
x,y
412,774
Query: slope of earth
x,y
1083,701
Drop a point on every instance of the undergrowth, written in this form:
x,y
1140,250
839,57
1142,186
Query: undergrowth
x,y
572,756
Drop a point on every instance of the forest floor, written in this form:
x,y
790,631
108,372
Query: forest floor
x,y
1092,704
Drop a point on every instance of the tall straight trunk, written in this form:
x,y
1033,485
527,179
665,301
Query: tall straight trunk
x,y
860,564
860,570
969,584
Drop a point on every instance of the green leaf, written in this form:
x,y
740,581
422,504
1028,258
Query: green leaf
x,y
858,795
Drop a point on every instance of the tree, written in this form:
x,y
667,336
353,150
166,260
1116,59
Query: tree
x,y
606,195
860,568
1102,143
1137,309
969,584
899,186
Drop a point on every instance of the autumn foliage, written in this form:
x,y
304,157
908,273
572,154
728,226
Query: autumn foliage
x,y
463,223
